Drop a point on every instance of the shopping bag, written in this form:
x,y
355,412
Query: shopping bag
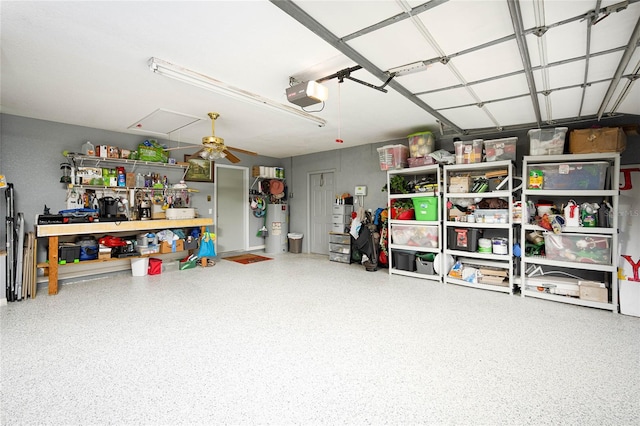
x,y
207,247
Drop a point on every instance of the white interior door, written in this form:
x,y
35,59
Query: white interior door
x,y
232,221
322,193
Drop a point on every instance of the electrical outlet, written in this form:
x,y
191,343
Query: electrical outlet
x,y
209,199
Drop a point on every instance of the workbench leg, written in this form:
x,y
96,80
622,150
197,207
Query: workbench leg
x,y
53,265
203,260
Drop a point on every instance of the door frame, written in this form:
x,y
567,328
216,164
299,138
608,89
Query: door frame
x,y
245,190
308,231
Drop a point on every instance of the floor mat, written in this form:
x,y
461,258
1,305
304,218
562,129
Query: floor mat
x,y
246,259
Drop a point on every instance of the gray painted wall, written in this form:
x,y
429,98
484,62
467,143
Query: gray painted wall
x,y
31,153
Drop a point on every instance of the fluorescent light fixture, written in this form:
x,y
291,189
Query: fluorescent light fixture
x,y
185,75
306,94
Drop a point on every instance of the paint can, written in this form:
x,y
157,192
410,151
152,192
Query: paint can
x,y
500,246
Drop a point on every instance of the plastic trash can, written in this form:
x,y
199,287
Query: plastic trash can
x,y
139,266
295,242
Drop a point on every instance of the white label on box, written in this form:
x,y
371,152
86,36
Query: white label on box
x,y
563,169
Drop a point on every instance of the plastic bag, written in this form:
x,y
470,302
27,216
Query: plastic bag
x,y
207,248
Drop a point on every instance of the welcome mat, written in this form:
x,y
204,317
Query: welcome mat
x,y
246,259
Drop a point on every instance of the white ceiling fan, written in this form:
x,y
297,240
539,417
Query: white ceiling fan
x,y
214,147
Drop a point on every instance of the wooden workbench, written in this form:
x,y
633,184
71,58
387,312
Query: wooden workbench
x,y
52,232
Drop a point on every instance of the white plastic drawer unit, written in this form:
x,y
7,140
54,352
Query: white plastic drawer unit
x,y
341,218
344,209
339,248
338,227
339,257
341,238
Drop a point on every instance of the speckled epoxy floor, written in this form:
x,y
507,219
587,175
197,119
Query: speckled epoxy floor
x,y
301,340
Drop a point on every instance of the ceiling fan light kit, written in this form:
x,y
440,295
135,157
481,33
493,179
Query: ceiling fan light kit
x,y
162,67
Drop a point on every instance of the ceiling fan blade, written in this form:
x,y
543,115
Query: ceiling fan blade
x,y
243,151
181,147
197,153
231,157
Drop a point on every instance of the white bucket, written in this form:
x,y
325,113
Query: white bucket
x,y
139,266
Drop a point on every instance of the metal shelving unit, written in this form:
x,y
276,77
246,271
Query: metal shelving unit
x,y
434,171
603,272
502,229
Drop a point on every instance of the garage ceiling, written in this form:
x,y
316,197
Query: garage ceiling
x,y
453,67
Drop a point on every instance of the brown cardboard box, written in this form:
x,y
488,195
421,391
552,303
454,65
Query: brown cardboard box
x,y
113,152
459,184
593,291
104,255
605,139
130,180
167,247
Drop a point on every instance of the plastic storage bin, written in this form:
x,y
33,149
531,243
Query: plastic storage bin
x,y
578,176
393,157
424,264
420,161
335,248
500,149
421,144
414,235
547,141
338,257
491,215
340,238
582,248
465,239
68,253
468,152
426,208
404,260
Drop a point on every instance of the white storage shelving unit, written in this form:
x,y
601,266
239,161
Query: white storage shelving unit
x,y
606,272
435,172
475,259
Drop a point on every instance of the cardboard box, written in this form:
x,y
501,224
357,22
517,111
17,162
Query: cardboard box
x,y
89,175
605,139
459,184
172,247
113,152
630,297
104,255
594,291
149,153
493,277
130,180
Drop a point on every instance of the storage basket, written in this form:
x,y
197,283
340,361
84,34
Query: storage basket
x,y
426,208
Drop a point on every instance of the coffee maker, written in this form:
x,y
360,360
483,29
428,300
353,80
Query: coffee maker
x,y
144,209
108,207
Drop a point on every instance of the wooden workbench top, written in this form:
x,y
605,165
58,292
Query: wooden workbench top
x,y
108,227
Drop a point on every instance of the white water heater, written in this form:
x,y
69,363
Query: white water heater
x,y
278,227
